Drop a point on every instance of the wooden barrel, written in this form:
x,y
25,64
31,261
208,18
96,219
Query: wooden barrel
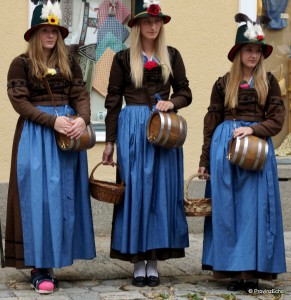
x,y
86,141
166,129
249,152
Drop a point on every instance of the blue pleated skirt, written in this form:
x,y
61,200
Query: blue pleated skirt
x,y
152,214
54,198
245,232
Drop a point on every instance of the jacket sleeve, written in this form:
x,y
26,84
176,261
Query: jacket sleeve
x,y
274,112
212,119
113,101
79,98
19,96
181,96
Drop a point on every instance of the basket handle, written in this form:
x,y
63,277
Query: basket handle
x,y
101,163
191,177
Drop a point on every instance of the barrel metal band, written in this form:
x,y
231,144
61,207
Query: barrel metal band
x,y
92,137
161,129
180,132
71,144
260,147
245,149
169,123
236,150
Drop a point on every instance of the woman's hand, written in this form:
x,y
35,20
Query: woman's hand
x,y
77,129
107,158
164,105
242,132
63,124
204,173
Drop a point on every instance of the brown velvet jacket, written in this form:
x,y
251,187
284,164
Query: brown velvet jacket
x,y
25,92
270,116
120,85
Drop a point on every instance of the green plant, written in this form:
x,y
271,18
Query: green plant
x,y
163,296
228,297
190,296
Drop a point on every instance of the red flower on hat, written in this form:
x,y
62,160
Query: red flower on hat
x,y
260,37
154,9
149,65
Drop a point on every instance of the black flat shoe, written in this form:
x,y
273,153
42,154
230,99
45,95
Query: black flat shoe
x,y
153,281
250,286
235,285
139,281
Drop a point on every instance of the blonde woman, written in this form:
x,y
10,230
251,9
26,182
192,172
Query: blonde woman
x,y
49,220
243,240
150,224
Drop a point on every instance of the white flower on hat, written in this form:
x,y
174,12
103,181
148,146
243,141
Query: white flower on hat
x,y
254,31
148,3
52,12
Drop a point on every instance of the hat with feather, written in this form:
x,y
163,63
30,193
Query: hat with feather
x,y
250,33
147,8
49,14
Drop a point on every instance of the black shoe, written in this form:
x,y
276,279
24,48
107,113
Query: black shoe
x,y
250,286
153,281
139,281
235,285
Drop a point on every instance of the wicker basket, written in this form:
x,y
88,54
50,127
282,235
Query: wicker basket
x,y
106,191
200,207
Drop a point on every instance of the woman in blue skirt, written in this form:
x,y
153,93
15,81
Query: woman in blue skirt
x,y
150,223
49,220
243,240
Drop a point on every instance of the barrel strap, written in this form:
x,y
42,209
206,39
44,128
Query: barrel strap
x,y
47,85
233,112
146,91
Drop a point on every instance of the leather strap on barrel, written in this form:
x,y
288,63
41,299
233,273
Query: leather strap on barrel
x,y
146,91
233,112
49,91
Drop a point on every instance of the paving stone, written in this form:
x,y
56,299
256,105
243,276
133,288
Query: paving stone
x,y
110,279
122,296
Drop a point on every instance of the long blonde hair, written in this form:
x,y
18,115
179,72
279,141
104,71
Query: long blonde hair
x,y
136,61
59,57
235,77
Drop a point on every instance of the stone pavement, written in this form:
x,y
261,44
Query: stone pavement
x,y
107,279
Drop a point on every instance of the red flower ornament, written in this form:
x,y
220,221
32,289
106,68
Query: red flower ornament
x,y
149,65
260,37
244,85
154,9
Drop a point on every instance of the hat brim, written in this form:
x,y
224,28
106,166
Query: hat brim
x,y
267,50
64,31
132,21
